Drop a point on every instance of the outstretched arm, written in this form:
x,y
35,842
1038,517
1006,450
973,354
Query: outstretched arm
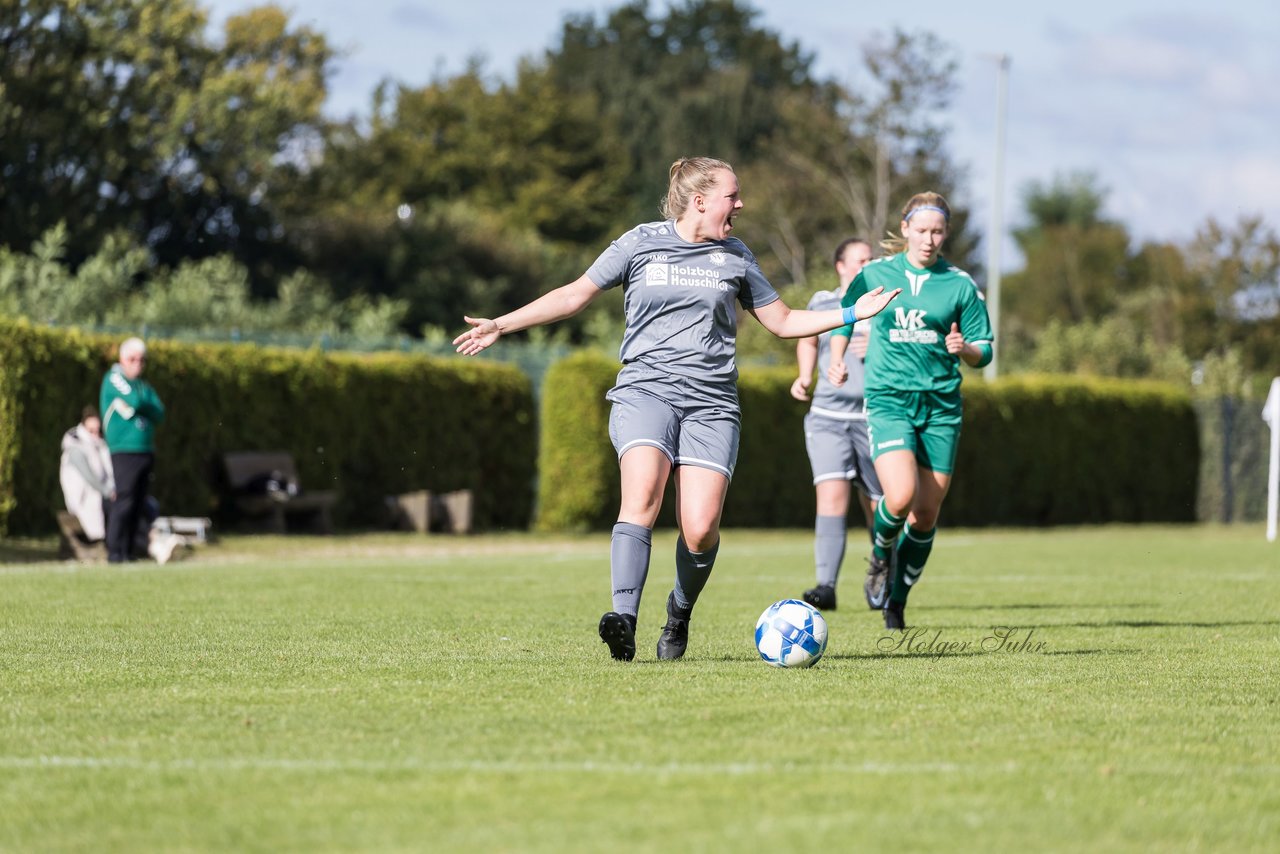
x,y
564,301
787,323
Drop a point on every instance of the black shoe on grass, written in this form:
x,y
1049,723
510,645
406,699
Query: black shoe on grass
x,y
674,639
876,585
894,618
619,632
822,597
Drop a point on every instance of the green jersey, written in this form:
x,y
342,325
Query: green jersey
x,y
130,411
907,349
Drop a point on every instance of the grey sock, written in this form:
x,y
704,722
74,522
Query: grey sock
x,y
692,571
828,548
629,565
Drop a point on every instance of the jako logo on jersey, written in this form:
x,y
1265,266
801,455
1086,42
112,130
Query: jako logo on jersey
x,y
657,274
121,385
917,281
909,318
660,257
718,258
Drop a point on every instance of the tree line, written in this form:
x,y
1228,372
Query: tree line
x,y
151,171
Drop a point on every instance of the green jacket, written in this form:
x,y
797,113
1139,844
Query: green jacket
x,y
130,410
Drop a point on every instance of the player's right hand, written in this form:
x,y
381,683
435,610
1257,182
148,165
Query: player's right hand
x,y
858,344
800,388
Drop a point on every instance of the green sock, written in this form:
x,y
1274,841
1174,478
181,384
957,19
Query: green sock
x,y
913,553
887,529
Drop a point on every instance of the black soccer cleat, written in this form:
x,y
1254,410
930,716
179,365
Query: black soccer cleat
x,y
674,639
894,618
876,585
619,632
822,597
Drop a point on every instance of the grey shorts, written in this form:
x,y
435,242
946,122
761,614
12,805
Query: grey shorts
x,y
694,424
839,450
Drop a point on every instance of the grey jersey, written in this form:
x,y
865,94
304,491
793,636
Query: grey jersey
x,y
843,402
679,298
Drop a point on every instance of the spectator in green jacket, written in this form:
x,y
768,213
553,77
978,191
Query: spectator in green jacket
x,y
130,411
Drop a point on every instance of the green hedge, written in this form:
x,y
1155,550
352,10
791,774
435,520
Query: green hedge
x,y
1235,450
1068,450
1034,451
367,426
578,485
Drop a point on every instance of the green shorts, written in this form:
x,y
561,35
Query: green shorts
x,y
924,422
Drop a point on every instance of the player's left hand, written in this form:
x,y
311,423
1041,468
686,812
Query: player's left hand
x,y
955,340
873,302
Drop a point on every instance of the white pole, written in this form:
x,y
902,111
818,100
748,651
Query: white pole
x,y
996,235
1271,415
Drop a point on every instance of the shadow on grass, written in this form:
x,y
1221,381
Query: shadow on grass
x,y
1100,624
880,656
1000,606
1091,652
1155,624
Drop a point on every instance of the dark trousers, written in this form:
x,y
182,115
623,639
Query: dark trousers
x,y
133,478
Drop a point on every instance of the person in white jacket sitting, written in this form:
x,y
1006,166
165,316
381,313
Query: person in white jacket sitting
x,y
88,484
85,474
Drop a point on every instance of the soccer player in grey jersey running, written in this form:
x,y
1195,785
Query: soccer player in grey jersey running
x,y
675,403
835,436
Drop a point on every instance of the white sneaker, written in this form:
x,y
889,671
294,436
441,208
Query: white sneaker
x,y
163,546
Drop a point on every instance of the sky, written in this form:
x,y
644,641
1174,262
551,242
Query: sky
x,y
1174,106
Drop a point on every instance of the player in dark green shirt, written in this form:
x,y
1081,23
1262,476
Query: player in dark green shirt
x,y
913,387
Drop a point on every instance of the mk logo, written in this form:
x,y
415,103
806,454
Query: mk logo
x,y
917,281
909,318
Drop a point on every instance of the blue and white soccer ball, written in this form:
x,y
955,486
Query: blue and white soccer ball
x,y
791,633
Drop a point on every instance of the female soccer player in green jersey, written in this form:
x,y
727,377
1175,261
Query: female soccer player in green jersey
x,y
913,387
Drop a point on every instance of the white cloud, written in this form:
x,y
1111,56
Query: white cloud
x,y
1136,59
416,16
1242,186
1232,85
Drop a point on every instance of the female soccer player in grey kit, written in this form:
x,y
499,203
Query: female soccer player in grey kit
x,y
675,404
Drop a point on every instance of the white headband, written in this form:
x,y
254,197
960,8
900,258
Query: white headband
x,y
915,211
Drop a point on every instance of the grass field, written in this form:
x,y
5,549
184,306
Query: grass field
x,y
386,692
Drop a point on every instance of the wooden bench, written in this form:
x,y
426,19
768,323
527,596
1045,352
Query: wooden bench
x,y
192,529
276,513
74,544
